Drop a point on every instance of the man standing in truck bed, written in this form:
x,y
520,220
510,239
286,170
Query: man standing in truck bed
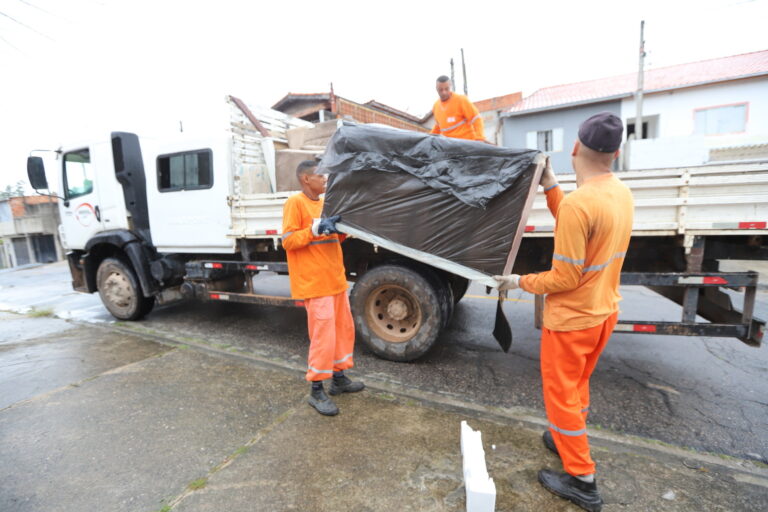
x,y
316,271
592,230
456,116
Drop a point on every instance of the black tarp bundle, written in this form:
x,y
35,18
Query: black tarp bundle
x,y
456,199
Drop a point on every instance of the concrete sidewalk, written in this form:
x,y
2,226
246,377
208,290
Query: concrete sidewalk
x,y
99,418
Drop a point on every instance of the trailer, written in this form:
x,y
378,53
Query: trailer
x,y
148,221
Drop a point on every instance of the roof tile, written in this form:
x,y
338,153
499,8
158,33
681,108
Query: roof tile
x,y
671,77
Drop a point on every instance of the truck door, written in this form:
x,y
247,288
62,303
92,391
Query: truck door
x,y
80,213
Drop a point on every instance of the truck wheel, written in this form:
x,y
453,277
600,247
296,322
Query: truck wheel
x,y
397,312
120,291
441,286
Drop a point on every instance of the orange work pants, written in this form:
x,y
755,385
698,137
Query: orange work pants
x,y
331,335
567,361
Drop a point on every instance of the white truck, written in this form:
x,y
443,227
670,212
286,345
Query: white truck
x,y
148,221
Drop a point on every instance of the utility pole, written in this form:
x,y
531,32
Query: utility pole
x,y
464,70
453,82
639,93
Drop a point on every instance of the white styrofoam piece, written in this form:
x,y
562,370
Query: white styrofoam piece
x,y
479,487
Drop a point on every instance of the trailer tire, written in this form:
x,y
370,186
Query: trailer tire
x,y
398,312
120,291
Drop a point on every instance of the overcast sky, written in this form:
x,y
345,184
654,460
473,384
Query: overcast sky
x,y
74,69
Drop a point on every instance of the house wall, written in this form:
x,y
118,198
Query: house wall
x,y
516,128
491,123
672,141
29,231
675,109
363,114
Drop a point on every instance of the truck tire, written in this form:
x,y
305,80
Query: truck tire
x,y
120,291
440,285
459,286
398,312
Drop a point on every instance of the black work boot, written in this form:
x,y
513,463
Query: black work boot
x,y
324,405
583,494
549,442
343,384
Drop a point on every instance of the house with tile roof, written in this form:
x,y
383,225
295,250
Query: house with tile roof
x,y
715,109
325,106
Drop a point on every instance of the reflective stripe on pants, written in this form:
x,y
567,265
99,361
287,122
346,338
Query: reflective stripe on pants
x,y
567,361
331,335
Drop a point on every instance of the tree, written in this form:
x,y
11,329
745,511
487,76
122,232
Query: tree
x,y
13,191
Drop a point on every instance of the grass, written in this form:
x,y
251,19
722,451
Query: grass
x,y
38,313
198,484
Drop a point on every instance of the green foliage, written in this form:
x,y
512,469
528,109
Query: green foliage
x,y
13,190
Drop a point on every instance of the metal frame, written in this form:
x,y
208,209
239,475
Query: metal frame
x,y
207,270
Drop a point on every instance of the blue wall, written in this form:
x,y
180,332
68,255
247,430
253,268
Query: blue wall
x,y
568,119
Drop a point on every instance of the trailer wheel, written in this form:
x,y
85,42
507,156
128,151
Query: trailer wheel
x,y
120,291
398,313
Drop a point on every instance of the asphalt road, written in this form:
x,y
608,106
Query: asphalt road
x,y
704,393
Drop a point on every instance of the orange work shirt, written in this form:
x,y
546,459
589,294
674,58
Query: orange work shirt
x,y
458,118
592,230
315,263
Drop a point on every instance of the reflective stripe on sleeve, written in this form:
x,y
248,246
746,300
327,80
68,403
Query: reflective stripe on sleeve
x,y
566,259
571,433
287,234
593,268
330,241
474,119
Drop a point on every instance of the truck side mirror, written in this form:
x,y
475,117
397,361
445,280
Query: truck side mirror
x,y
36,173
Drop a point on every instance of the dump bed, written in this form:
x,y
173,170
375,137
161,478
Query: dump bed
x,y
722,199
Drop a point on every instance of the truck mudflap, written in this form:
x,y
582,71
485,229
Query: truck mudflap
x,y
700,294
134,247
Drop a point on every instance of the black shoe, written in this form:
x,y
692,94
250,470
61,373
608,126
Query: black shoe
x,y
549,442
324,405
583,494
345,385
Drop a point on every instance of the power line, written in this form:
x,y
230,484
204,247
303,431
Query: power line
x,y
45,11
25,26
36,7
11,45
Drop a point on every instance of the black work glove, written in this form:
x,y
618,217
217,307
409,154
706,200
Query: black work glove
x,y
327,225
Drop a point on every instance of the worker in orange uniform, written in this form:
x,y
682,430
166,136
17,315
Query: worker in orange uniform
x,y
456,116
316,271
592,231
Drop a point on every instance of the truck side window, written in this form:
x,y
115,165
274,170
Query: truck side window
x,y
78,175
185,171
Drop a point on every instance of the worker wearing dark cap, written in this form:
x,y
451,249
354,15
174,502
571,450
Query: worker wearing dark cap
x,y
592,231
